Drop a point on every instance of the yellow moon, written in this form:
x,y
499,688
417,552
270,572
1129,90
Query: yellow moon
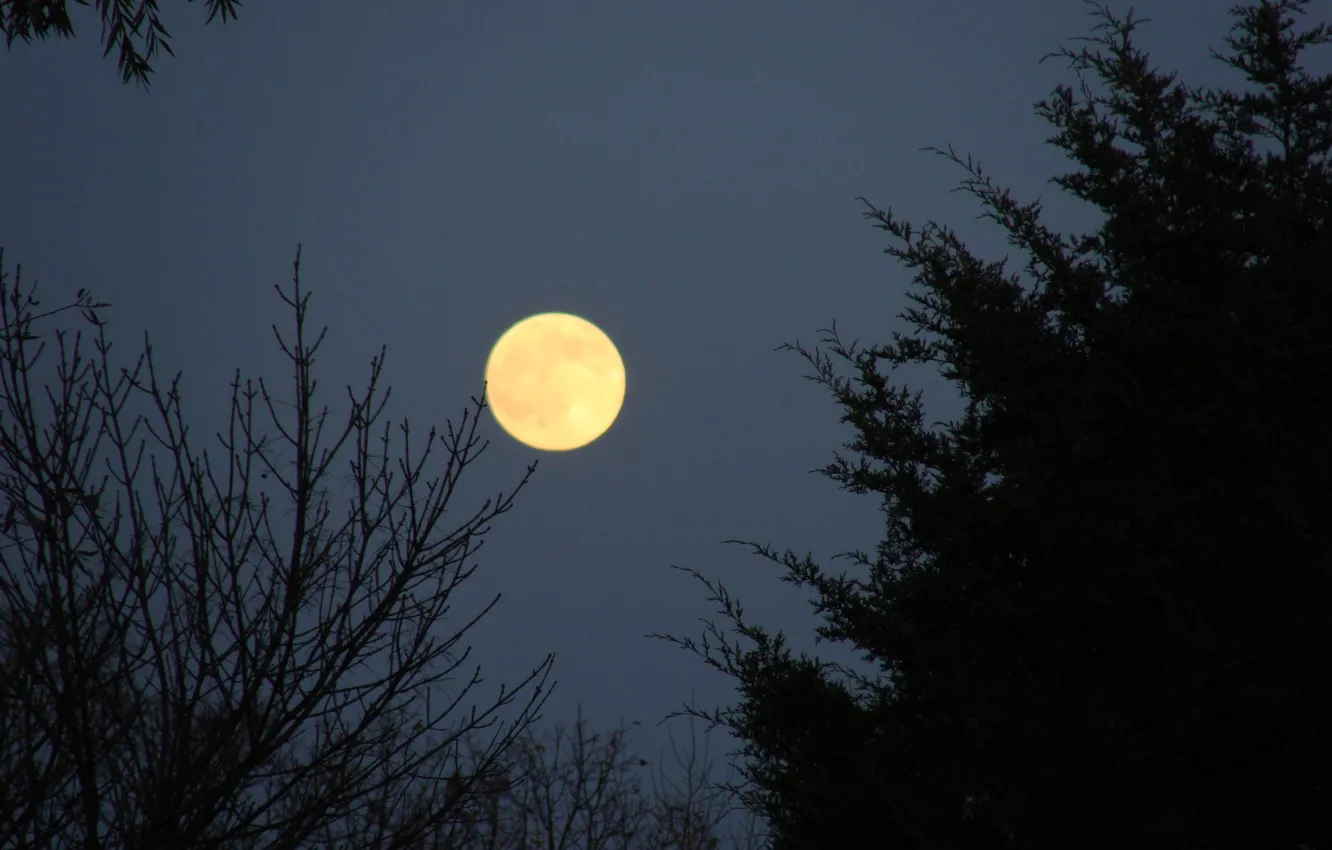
x,y
555,382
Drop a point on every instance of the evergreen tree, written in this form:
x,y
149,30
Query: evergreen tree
x,y
1100,613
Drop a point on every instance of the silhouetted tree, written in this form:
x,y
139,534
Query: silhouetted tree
x,y
125,25
1101,615
689,806
575,789
177,672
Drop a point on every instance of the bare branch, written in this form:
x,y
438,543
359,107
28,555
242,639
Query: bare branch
x,y
184,667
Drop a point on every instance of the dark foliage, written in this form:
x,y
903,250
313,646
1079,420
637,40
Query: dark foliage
x,y
1100,613
125,25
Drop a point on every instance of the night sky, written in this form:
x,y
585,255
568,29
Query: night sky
x,y
683,175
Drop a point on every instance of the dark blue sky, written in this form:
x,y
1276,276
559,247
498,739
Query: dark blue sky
x,y
684,175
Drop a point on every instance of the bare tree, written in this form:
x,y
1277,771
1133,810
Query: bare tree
x,y
170,674
575,789
690,811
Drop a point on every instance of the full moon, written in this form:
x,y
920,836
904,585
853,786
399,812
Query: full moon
x,y
555,382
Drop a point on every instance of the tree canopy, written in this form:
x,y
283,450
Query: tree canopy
x,y
131,26
1099,615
